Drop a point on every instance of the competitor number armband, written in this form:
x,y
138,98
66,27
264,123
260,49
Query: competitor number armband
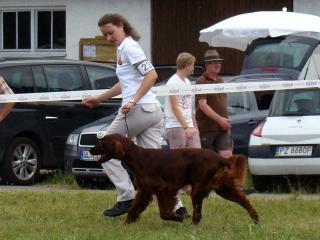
x,y
145,67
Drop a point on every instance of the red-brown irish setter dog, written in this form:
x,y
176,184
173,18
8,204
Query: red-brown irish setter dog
x,y
163,172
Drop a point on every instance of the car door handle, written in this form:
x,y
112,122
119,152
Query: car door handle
x,y
51,117
252,122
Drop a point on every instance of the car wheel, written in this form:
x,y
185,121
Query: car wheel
x,y
261,183
22,162
91,183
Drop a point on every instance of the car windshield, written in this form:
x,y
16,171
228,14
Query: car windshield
x,y
297,102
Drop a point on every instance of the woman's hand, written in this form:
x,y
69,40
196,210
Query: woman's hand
x,y
91,101
107,94
127,107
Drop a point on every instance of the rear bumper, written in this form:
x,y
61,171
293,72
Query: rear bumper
x,y
284,166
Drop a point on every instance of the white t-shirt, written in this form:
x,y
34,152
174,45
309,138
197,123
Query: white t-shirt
x,y
184,101
128,53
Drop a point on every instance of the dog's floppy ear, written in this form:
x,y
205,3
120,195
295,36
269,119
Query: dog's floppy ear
x,y
118,149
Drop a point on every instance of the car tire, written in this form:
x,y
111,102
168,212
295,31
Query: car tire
x,y
261,183
21,162
91,183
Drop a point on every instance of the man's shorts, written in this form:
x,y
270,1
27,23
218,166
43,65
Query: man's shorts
x,y
217,141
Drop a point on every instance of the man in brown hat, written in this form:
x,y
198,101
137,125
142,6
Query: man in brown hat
x,y
211,109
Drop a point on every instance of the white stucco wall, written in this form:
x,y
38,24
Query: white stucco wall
x,y
82,17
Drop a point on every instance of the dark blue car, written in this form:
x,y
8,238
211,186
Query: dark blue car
x,y
33,136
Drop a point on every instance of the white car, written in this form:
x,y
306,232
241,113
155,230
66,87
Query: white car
x,y
288,141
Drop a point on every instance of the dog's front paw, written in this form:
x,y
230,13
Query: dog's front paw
x,y
255,218
129,221
256,221
178,218
196,218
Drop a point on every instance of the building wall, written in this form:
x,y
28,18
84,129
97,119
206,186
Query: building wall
x,y
178,29
82,17
309,6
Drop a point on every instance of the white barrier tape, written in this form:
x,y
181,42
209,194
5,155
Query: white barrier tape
x,y
49,96
164,90
235,87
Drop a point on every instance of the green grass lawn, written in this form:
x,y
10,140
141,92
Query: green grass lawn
x,y
78,215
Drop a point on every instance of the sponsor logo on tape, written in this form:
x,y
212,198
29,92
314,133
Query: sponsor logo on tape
x,y
311,84
219,88
264,85
44,97
196,89
241,87
23,98
65,96
287,84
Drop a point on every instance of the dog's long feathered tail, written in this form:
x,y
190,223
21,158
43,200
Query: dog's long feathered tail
x,y
239,169
234,173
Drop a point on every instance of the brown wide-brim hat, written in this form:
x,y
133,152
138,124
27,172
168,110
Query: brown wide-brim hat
x,y
212,55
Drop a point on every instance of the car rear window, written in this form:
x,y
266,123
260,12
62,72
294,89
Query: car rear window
x,y
297,102
269,54
283,54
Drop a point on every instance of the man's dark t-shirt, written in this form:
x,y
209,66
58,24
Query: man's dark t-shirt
x,y
217,101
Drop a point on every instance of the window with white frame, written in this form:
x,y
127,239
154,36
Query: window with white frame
x,y
16,32
51,27
33,30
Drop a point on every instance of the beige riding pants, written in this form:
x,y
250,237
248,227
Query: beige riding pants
x,y
144,122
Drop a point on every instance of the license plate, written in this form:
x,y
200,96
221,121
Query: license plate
x,y
87,156
293,151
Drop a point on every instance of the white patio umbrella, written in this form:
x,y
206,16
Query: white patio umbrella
x,y
239,31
